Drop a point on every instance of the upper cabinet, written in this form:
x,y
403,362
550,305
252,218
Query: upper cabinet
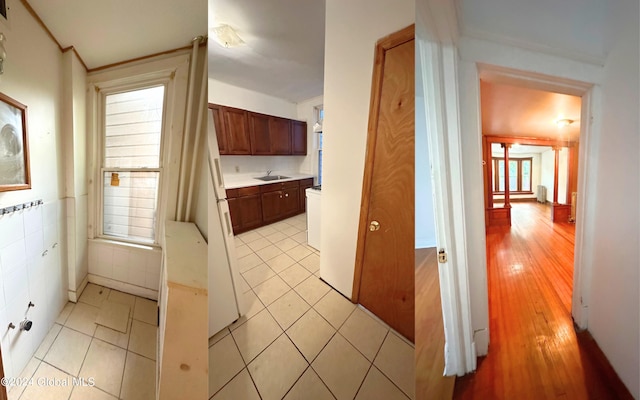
x,y
232,129
299,138
243,132
280,132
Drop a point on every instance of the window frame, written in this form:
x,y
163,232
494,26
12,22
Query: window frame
x,y
101,150
496,175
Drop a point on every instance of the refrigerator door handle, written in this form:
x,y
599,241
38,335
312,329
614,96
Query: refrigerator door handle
x,y
227,220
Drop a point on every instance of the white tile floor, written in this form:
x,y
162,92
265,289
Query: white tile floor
x,y
300,338
121,364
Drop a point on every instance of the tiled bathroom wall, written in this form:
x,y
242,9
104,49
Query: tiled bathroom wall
x,y
31,270
129,268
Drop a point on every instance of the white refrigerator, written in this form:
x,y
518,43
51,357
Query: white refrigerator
x,y
225,295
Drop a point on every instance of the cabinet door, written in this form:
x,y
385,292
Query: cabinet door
x,y
218,123
304,185
235,211
290,202
299,138
259,129
280,135
251,211
237,128
271,202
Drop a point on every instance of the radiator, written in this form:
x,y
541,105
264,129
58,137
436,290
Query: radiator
x,y
574,199
542,194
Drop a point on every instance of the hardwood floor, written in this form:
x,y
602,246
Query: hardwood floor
x,y
430,384
535,352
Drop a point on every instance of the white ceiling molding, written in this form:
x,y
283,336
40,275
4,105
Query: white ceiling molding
x,y
536,47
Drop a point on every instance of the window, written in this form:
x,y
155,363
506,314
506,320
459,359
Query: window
x,y
131,163
519,175
319,120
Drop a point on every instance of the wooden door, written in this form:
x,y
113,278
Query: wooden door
x,y
259,129
271,205
237,131
290,201
251,207
385,270
299,138
280,135
218,123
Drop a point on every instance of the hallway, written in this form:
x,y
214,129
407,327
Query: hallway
x,y
534,350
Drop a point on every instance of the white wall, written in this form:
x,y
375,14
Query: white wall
x,y
563,175
613,308
548,168
201,200
349,55
306,112
424,213
234,96
33,76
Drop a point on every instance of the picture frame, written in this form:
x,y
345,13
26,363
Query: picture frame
x,y
15,172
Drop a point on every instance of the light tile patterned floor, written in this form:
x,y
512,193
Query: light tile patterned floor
x,y
122,364
300,338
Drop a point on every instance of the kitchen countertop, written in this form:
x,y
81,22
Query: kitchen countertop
x,y
234,181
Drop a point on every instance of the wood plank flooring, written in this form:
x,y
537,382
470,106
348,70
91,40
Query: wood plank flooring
x,y
430,384
535,352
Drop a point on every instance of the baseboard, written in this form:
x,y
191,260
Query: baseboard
x,y
481,340
124,287
75,295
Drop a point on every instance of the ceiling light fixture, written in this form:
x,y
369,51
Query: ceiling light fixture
x,y
564,122
226,36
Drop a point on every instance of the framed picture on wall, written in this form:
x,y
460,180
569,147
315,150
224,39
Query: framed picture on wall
x,y
14,145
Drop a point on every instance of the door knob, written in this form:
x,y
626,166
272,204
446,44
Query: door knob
x,y
374,226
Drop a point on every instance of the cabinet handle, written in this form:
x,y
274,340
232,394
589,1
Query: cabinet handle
x,y
286,195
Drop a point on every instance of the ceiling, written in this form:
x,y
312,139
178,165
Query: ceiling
x,y
518,111
283,54
107,32
571,28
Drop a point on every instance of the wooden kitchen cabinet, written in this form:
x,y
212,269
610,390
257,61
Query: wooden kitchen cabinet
x,y
255,206
259,133
245,207
271,206
242,132
291,202
232,130
298,138
304,185
221,133
280,135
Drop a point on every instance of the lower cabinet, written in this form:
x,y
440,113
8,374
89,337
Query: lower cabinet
x,y
304,185
255,206
245,206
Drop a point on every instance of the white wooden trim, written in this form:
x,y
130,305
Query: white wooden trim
x,y
438,61
172,72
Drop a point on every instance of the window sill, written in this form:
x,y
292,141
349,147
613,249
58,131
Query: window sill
x,y
113,242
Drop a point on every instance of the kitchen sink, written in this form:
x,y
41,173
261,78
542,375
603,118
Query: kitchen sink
x,y
267,178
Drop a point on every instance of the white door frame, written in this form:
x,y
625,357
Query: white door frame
x,y
437,34
437,61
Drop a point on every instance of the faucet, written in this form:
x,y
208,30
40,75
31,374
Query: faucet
x,y
269,172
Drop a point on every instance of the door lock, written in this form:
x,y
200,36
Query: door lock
x,y
374,226
442,256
